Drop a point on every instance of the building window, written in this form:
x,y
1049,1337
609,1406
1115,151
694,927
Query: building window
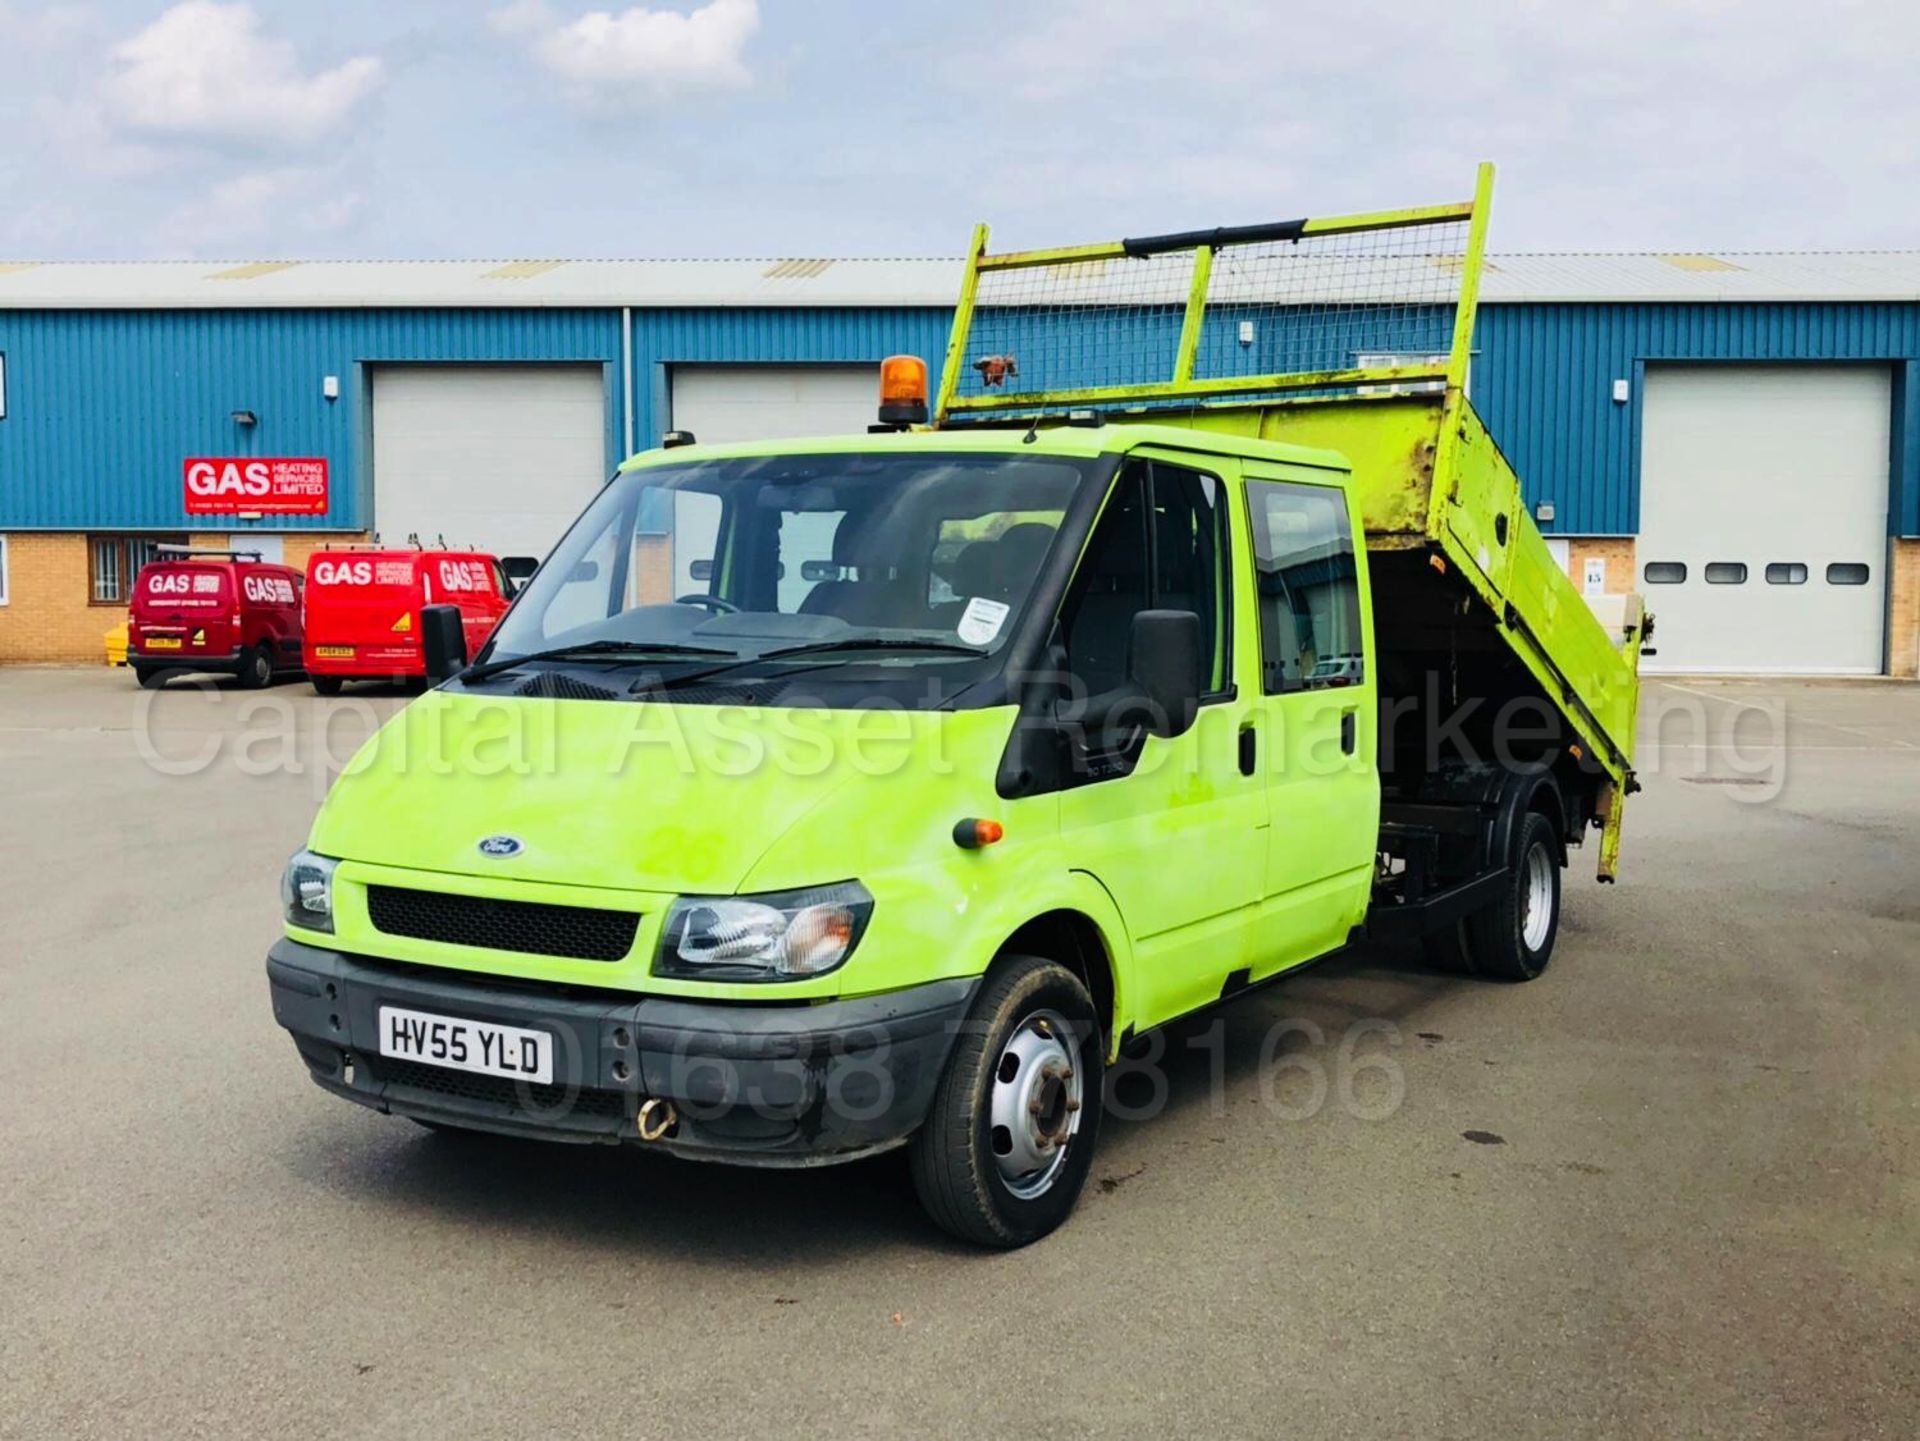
x,y
1727,572
1665,572
4,592
1847,572
3,385
1397,359
1786,572
114,561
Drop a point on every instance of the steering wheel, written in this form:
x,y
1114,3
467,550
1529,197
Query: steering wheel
x,y
713,603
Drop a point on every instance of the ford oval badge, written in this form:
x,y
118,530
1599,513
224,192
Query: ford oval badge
x,y
499,848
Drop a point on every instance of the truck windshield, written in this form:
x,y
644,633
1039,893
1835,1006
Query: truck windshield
x,y
896,560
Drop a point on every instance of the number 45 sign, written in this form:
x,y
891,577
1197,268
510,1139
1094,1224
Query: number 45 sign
x,y
257,485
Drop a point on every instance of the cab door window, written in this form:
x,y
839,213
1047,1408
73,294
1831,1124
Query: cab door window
x,y
1309,585
1160,544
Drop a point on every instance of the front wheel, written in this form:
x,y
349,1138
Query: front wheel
x,y
1010,1136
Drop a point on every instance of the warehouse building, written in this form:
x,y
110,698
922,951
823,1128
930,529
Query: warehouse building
x,y
1736,435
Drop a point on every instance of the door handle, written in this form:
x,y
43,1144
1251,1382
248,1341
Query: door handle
x,y
1347,730
1249,749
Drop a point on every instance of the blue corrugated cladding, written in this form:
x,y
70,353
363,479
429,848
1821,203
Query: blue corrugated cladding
x,y
103,407
1543,377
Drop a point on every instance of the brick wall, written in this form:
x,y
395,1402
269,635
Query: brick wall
x,y
47,617
1615,550
1904,611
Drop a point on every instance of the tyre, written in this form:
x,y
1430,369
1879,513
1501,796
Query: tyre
x,y
326,684
256,669
150,677
1010,1136
1512,940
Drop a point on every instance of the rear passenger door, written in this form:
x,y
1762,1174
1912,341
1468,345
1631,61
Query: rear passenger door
x,y
1172,830
1318,715
286,584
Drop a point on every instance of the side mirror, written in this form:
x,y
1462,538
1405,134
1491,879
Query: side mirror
x,y
1164,659
519,570
444,642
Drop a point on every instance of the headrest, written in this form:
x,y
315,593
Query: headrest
x,y
999,568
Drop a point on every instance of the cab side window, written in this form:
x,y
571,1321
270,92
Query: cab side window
x,y
1161,543
1309,587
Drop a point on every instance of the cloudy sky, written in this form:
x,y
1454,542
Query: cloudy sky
x,y
485,128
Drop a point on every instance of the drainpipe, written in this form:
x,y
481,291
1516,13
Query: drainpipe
x,y
626,381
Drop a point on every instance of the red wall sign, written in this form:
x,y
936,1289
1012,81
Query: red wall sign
x,y
270,486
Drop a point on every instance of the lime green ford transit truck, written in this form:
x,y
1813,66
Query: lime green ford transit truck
x,y
824,797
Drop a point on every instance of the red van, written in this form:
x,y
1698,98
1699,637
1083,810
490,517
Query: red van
x,y
226,611
363,609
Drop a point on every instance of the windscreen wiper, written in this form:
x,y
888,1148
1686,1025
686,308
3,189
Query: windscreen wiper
x,y
873,642
610,650
811,648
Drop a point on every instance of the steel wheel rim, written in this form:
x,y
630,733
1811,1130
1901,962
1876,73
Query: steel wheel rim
x,y
1536,901
1034,1108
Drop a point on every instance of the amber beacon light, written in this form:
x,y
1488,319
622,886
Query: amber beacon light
x,y
903,390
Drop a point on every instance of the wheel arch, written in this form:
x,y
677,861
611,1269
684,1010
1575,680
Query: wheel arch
x,y
1075,940
1527,794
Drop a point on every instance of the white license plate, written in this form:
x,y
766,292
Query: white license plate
x,y
478,1046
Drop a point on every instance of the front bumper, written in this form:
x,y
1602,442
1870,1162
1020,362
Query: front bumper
x,y
769,1085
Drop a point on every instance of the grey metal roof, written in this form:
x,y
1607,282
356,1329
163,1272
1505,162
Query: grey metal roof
x,y
1887,275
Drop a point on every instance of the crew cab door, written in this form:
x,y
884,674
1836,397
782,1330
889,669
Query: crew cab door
x,y
1172,826
1317,712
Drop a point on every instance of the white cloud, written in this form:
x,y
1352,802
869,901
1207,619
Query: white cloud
x,y
259,207
206,71
638,53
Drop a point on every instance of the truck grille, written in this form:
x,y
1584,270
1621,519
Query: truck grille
x,y
520,1095
534,928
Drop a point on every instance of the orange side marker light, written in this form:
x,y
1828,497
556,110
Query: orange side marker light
x,y
973,833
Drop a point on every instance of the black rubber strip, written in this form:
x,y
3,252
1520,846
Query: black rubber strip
x,y
1218,236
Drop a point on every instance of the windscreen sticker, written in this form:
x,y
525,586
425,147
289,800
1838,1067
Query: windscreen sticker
x,y
982,620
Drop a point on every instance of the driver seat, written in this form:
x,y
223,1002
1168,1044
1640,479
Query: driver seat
x,y
879,597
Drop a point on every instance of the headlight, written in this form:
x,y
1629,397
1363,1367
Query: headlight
x,y
306,892
780,937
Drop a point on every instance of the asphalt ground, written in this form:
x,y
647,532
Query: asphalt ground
x,y
1670,1189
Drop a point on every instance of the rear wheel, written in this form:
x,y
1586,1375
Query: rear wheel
x,y
1512,940
256,668
326,684
149,676
1010,1136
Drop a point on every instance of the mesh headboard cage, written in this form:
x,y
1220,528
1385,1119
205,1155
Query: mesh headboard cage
x,y
1353,304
